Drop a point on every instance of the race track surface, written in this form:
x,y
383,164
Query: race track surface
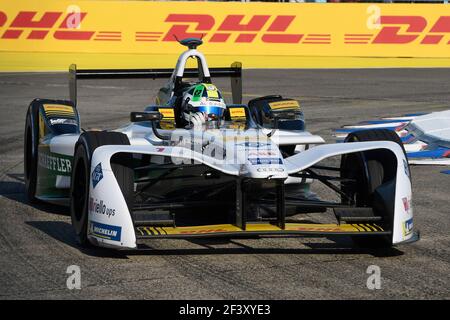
x,y
37,243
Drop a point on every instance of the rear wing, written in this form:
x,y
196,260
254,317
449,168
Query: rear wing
x,y
234,72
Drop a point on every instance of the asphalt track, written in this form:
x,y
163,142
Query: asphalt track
x,y
37,243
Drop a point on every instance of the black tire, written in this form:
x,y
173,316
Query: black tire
x,y
31,142
80,181
370,169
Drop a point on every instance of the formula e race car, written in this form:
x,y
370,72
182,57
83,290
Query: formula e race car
x,y
193,166
425,136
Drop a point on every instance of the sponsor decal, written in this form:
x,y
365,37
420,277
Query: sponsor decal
x,y
257,161
270,169
406,204
271,28
231,28
407,227
33,25
97,175
55,162
63,121
213,94
398,29
262,152
250,31
290,104
105,231
211,102
168,120
168,113
250,144
198,91
100,207
57,25
237,113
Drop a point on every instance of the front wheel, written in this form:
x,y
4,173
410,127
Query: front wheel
x,y
31,141
80,181
374,174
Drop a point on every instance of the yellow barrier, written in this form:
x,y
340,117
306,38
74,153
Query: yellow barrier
x,y
49,34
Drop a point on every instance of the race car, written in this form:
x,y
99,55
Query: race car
x,y
193,166
425,136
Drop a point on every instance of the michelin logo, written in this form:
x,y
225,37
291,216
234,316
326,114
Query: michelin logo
x,y
105,231
97,175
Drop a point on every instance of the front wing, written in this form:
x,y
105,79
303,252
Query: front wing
x,y
112,224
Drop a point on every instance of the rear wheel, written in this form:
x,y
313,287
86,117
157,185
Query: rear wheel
x,y
80,182
35,130
31,141
374,172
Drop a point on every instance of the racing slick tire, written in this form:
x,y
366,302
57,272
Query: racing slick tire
x,y
80,181
31,142
370,169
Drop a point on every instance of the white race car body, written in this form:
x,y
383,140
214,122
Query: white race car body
x,y
108,192
237,163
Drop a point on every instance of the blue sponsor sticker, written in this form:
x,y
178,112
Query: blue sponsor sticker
x,y
97,175
256,161
407,227
105,231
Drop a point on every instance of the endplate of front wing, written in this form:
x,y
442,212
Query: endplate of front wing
x,y
263,229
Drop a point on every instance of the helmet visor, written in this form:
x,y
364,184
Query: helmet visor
x,y
216,111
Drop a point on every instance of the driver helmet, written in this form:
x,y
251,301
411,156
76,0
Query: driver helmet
x,y
205,98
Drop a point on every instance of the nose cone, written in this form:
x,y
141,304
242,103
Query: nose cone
x,y
266,171
263,161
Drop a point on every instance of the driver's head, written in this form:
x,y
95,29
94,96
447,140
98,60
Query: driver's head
x,y
205,98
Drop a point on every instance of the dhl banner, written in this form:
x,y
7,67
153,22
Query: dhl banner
x,y
49,34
